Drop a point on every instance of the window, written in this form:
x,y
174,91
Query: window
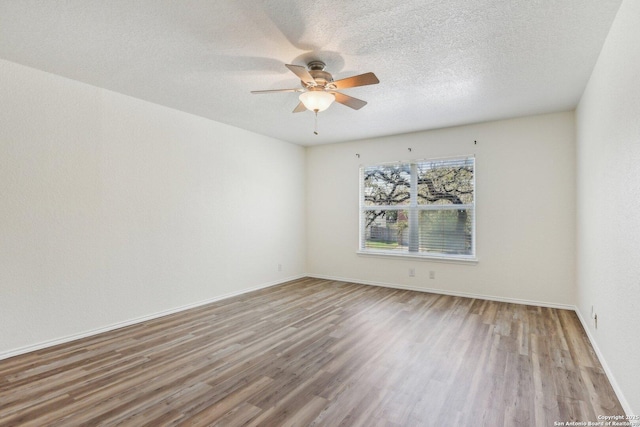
x,y
422,208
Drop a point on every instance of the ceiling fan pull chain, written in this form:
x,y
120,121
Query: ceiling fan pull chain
x,y
315,127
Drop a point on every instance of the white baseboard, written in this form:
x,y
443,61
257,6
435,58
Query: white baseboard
x,y
605,366
447,292
118,325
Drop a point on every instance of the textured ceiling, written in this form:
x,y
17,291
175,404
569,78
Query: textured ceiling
x,y
440,62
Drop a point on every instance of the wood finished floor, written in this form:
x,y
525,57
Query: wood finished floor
x,y
316,352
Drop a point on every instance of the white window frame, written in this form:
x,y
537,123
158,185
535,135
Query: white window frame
x,y
413,209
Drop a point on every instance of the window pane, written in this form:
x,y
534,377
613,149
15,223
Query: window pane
x,y
445,182
386,230
387,185
423,208
446,231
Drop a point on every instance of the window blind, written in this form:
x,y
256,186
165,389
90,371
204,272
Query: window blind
x,y
424,207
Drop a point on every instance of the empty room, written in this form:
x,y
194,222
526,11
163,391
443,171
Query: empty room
x,y
296,213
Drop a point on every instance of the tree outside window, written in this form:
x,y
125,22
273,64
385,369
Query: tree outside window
x,y
421,208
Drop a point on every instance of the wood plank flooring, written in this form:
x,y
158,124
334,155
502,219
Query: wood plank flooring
x,y
317,352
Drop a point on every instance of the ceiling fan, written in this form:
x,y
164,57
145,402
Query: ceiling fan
x,y
319,90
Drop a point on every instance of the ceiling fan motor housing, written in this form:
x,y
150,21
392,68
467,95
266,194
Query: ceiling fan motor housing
x,y
316,70
316,65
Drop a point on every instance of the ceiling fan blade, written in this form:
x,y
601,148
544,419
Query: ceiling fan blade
x,y
277,90
302,74
300,108
359,80
349,101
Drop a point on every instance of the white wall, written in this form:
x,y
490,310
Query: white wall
x,y
112,208
525,177
608,170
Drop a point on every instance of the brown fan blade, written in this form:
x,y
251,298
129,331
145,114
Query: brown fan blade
x,y
277,90
349,101
302,74
359,80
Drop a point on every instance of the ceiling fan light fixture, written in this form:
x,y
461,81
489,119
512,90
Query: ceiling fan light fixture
x,y
317,100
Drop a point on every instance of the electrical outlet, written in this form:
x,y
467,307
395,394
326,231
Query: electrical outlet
x,y
412,272
432,274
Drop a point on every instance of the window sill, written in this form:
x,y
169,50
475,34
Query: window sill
x,y
389,254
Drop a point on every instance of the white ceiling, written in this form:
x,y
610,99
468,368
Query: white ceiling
x,y
440,62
